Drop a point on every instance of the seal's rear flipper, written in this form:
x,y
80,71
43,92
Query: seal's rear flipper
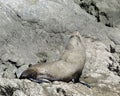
x,y
85,84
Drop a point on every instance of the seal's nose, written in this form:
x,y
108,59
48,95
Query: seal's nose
x,y
28,74
23,75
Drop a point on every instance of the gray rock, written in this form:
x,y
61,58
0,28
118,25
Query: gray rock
x,y
37,27
2,69
99,63
27,88
117,48
7,69
105,11
18,93
114,36
33,31
9,72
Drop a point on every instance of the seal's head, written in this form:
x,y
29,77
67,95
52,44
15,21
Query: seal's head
x,y
28,74
76,35
75,40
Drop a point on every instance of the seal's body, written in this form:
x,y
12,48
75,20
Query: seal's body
x,y
68,67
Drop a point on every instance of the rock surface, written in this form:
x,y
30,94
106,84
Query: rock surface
x,y
27,88
105,11
34,31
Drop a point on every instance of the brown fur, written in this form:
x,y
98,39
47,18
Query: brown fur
x,y
68,67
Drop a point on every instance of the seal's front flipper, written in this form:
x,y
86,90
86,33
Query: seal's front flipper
x,y
46,77
39,80
43,78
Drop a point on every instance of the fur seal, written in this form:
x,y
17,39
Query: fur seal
x,y
68,68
